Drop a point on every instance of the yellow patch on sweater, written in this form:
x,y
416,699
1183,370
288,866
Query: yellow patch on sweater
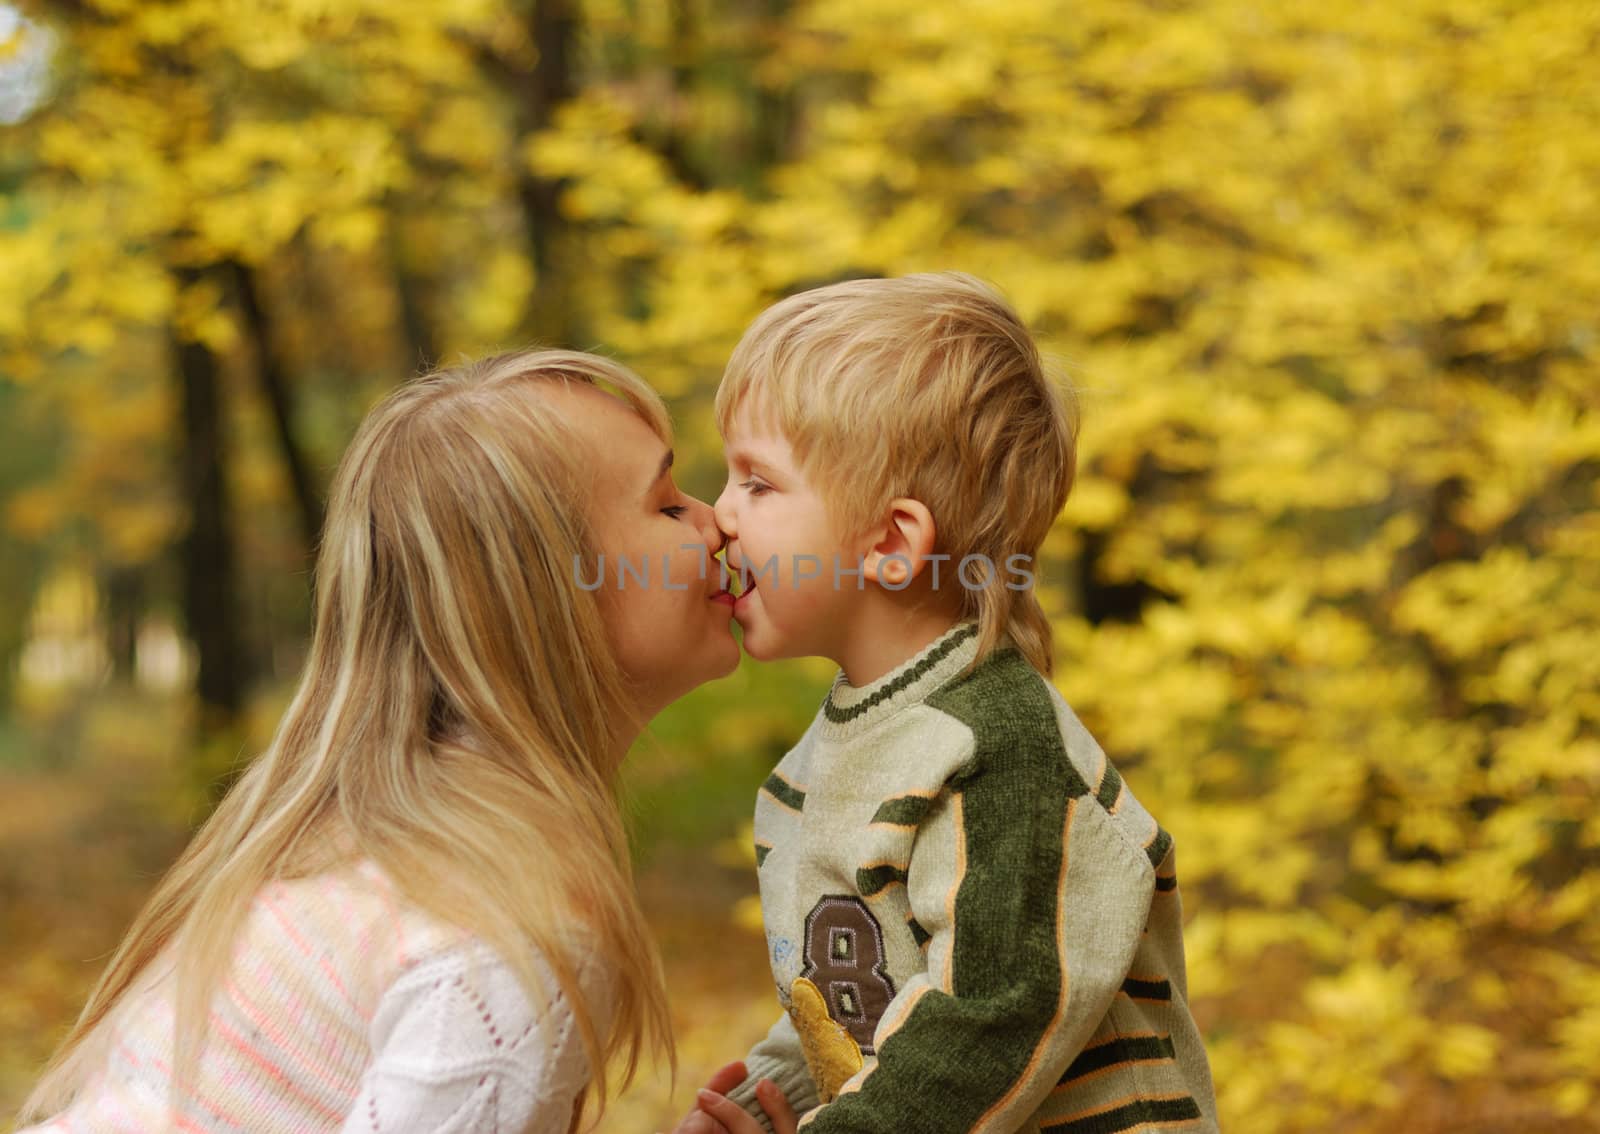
x,y
831,1055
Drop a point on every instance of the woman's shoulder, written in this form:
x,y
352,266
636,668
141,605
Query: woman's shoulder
x,y
461,1041
457,1008
349,925
355,926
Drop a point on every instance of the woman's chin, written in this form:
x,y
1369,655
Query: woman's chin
x,y
730,661
717,658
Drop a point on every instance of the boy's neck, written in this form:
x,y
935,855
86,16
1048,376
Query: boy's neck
x,y
886,634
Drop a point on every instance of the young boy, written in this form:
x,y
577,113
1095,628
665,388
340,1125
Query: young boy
x,y
973,924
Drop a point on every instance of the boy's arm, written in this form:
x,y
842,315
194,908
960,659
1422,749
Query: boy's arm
x,y
1034,903
777,1057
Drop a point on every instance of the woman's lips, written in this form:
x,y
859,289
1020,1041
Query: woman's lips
x,y
735,574
726,595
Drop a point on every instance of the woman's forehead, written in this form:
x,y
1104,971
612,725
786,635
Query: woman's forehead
x,y
618,446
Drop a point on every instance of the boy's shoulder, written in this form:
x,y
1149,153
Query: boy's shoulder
x,y
1002,694
1011,708
1022,726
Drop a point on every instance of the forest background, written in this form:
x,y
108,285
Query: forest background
x,y
1328,589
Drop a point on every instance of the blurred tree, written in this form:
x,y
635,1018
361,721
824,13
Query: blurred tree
x,y
1328,585
536,72
276,389
186,152
210,602
1335,535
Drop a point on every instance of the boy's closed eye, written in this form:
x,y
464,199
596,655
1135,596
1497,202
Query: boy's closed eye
x,y
755,487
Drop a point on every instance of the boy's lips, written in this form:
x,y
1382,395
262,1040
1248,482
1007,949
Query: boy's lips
x,y
740,586
734,572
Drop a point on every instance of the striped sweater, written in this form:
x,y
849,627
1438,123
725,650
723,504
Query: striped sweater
x,y
973,924
345,1010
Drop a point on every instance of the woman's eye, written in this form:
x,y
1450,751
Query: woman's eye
x,y
676,511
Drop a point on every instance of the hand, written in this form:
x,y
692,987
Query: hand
x,y
723,1080
731,1118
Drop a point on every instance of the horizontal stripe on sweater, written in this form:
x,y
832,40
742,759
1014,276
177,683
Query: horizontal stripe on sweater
x,y
1133,1113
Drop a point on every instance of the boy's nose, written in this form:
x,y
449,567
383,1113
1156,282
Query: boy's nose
x,y
723,511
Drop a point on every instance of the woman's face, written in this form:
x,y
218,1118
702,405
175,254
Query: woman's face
x,y
660,590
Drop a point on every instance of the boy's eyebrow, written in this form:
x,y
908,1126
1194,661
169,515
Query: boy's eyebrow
x,y
738,454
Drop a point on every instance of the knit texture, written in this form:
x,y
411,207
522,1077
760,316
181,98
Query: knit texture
x,y
345,1010
988,913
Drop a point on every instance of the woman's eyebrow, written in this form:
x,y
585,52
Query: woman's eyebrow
x,y
666,464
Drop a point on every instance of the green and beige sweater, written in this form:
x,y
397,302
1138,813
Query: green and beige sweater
x,y
973,924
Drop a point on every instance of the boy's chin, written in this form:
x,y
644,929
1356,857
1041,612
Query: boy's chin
x,y
756,649
759,643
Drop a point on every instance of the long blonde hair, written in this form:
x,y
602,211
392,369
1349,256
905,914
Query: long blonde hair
x,y
456,723
927,386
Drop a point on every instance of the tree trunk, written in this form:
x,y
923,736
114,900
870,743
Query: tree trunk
x,y
210,606
775,109
683,50
280,399
123,588
411,291
553,27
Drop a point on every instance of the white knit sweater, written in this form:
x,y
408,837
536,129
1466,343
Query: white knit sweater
x,y
346,1011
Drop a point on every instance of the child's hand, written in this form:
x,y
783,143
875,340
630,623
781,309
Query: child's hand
x,y
723,1080
731,1118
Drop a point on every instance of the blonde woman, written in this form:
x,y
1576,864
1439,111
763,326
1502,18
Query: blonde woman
x,y
414,911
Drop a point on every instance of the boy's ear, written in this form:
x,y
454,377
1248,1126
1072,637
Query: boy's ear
x,y
900,547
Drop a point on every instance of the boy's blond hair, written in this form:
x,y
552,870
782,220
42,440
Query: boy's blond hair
x,y
929,387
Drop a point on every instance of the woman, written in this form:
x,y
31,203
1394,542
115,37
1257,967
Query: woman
x,y
414,911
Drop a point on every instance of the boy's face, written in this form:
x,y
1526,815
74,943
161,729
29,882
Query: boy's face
x,y
781,539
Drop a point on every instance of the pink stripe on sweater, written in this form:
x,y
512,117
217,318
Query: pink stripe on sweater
x,y
386,896
246,1049
165,1071
264,1022
311,955
128,1053
341,897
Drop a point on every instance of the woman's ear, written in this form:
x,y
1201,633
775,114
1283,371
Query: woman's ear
x,y
901,546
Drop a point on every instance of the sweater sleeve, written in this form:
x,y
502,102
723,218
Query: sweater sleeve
x,y
777,1057
1034,903
459,1047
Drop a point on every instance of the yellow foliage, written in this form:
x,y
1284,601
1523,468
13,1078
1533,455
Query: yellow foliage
x,y
1316,273
1321,274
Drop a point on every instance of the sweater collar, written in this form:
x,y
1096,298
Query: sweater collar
x,y
850,709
